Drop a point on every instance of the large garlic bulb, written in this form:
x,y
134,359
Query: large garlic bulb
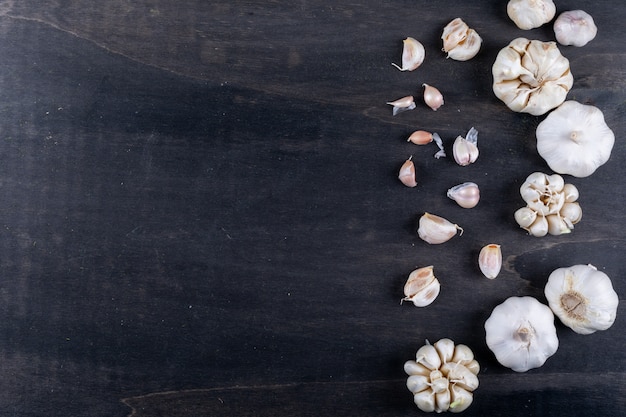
x,y
531,76
442,377
521,333
582,298
530,14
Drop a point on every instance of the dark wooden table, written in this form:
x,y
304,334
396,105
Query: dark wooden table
x,y
200,214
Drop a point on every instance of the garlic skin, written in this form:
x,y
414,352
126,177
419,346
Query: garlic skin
x,y
531,76
530,14
466,195
490,260
465,149
407,173
459,41
432,97
574,139
521,333
402,104
435,230
421,287
574,27
442,377
582,298
413,54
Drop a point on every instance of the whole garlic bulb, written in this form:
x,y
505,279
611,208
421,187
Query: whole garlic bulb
x,y
521,333
531,76
574,27
582,298
459,41
442,377
530,14
574,139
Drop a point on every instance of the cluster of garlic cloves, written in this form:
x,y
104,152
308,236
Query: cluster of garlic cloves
x,y
442,377
460,42
490,260
551,205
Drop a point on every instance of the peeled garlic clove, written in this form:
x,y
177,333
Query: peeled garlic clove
x,y
466,195
490,260
571,212
574,27
460,399
417,383
422,287
407,173
420,137
413,54
434,229
432,97
525,217
459,41
539,227
571,193
402,104
464,152
530,14
425,400
556,225
442,399
445,348
427,355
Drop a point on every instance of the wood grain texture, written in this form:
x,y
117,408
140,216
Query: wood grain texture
x,y
201,215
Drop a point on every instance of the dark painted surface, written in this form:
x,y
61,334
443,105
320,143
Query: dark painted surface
x,y
200,214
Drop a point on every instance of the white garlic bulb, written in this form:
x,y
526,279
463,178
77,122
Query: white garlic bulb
x,y
434,229
582,298
574,139
530,14
574,27
432,97
442,377
490,260
521,333
459,41
422,287
466,195
413,54
531,76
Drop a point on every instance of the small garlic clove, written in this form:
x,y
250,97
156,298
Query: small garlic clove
x,y
420,137
427,355
464,152
413,54
571,212
571,193
435,230
539,227
417,383
421,287
432,97
466,195
460,399
402,104
414,368
425,400
473,366
445,347
463,355
525,217
490,260
442,400
557,225
574,27
458,374
407,173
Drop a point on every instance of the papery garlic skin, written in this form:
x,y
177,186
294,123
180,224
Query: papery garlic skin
x,y
432,97
413,54
582,297
531,76
442,377
521,333
421,287
402,104
574,27
459,41
530,14
466,195
574,139
407,173
490,260
434,229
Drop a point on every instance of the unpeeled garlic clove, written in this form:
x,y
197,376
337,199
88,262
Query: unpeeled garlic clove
x,y
571,212
422,287
420,137
459,41
402,104
525,217
435,230
464,152
466,195
539,227
432,97
557,225
490,260
407,173
413,54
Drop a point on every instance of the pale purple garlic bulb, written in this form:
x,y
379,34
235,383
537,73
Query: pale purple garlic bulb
x,y
574,27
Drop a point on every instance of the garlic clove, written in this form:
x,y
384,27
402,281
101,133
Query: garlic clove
x,y
413,54
463,354
571,212
420,137
459,375
434,229
425,400
421,287
407,173
557,225
525,217
427,355
402,104
473,366
539,228
445,348
459,41
432,97
530,14
414,368
574,27
464,152
490,260
571,193
466,195
460,399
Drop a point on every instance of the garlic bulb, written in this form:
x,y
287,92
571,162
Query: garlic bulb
x,y
530,14
442,377
402,104
490,260
582,298
574,139
407,173
466,195
465,149
459,41
432,97
574,27
413,54
531,76
422,287
435,230
521,333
